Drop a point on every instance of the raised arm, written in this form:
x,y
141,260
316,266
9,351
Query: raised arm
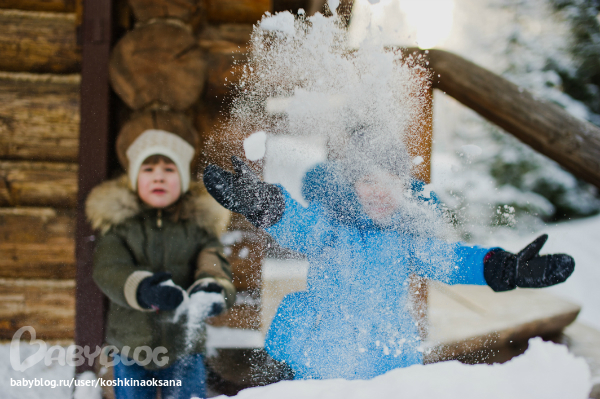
x,y
501,270
267,206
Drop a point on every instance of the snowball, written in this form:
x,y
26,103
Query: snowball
x,y
282,22
545,371
418,160
254,146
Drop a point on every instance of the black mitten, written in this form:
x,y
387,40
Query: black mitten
x,y
505,271
152,295
211,287
243,192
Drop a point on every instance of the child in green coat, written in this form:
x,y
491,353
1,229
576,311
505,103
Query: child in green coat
x,y
160,262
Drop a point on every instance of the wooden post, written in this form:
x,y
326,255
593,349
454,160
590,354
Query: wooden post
x,y
93,166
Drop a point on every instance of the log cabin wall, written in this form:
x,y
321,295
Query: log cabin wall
x,y
39,133
40,76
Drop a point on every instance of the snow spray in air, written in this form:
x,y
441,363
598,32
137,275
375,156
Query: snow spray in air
x,y
369,103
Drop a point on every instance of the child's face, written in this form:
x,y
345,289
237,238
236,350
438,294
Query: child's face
x,y
159,185
380,195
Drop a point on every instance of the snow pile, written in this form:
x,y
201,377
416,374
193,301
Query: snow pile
x,y
545,371
196,309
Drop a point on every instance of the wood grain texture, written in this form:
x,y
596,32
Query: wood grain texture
x,y
39,117
225,67
237,11
47,306
245,256
547,128
37,243
39,5
145,10
236,33
158,63
38,42
239,316
38,184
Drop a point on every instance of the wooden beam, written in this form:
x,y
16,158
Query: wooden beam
x,y
38,184
546,127
37,243
46,305
93,164
237,11
39,116
39,5
38,42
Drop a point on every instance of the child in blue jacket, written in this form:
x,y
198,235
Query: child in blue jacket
x,y
364,233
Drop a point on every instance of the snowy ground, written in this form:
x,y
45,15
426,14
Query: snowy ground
x,y
577,238
580,239
545,371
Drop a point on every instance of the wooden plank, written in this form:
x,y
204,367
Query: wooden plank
x,y
39,183
37,243
39,117
238,11
39,5
38,42
466,319
546,127
47,306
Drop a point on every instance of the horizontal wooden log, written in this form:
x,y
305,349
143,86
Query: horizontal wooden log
x,y
38,42
546,127
39,117
38,184
160,63
37,243
47,306
238,11
235,33
145,10
39,5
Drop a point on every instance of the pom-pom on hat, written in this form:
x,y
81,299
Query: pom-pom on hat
x,y
157,133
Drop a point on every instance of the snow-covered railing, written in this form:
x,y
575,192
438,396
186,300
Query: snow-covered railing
x,y
546,127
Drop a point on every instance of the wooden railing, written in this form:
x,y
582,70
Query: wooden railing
x,y
545,127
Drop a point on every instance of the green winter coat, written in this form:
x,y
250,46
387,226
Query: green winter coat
x,y
138,241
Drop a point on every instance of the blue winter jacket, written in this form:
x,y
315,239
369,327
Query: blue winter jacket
x,y
353,321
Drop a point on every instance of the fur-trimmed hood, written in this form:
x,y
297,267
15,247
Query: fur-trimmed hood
x,y
112,202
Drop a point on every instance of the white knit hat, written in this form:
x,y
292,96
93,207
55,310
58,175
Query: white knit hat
x,y
160,142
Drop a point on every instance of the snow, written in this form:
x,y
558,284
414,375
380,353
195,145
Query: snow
x,y
255,146
280,22
196,308
544,371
